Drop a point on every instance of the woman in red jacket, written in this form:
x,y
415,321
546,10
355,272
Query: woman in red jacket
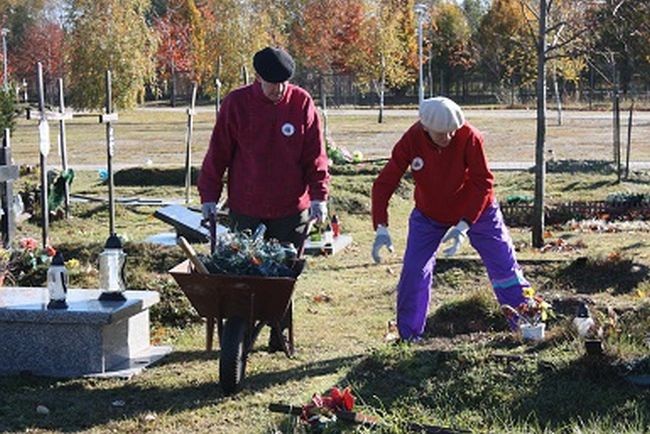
x,y
454,200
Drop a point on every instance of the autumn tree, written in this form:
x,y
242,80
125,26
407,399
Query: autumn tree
x,y
42,42
449,44
474,12
18,16
393,31
239,29
328,35
623,37
506,46
109,35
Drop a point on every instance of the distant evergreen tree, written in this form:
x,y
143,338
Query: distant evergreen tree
x,y
7,111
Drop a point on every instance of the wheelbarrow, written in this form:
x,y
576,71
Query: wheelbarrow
x,y
240,306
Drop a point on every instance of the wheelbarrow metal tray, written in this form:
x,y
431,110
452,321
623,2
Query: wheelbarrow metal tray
x,y
224,296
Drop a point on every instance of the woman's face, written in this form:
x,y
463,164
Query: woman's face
x,y
439,138
273,91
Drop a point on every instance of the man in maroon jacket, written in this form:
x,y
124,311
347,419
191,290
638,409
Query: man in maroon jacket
x,y
454,200
268,136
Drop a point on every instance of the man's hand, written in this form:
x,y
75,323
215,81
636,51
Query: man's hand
x,y
457,235
382,239
209,208
318,210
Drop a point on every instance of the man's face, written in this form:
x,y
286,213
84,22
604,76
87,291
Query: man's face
x,y
273,91
440,138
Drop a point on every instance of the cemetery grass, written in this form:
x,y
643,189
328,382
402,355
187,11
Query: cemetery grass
x,y
157,136
469,372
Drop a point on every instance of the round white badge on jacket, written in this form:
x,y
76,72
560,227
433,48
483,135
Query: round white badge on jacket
x,y
417,164
288,129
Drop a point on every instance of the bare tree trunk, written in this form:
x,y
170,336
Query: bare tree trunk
x,y
558,99
173,92
382,86
540,165
617,128
629,142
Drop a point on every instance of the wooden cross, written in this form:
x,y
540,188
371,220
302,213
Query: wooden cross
x,y
188,144
43,118
8,173
63,146
108,118
44,150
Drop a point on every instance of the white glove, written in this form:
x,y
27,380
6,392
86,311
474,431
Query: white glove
x,y
382,239
208,208
318,210
457,234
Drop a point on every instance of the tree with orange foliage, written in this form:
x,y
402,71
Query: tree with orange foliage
x,y
42,42
328,34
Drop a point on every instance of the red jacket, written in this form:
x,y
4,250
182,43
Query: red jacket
x,y
274,153
451,183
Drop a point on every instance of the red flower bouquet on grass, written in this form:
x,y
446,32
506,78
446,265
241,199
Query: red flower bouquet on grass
x,y
23,259
322,409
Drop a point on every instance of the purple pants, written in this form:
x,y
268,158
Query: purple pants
x,y
489,236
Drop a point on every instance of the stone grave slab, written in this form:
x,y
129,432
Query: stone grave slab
x,y
187,223
89,338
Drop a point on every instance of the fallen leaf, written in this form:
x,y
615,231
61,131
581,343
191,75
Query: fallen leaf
x,y
322,298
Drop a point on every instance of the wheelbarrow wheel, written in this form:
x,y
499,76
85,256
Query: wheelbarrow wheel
x,y
232,361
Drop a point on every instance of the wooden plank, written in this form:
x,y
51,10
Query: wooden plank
x,y
50,116
108,117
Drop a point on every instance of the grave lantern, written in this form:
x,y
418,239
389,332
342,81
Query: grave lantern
x,y
111,270
57,283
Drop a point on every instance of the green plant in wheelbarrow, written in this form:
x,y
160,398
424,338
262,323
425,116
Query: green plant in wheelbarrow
x,y
246,283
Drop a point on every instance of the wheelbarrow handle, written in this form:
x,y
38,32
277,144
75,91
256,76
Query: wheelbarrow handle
x,y
191,255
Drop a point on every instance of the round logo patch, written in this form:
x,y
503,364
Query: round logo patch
x,y
288,129
417,164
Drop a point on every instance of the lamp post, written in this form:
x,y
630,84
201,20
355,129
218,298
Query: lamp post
x,y
5,31
420,10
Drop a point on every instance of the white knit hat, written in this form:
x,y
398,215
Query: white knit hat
x,y
441,115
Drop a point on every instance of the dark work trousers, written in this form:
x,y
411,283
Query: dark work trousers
x,y
287,229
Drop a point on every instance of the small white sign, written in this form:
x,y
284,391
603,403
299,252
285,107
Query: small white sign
x,y
44,137
111,141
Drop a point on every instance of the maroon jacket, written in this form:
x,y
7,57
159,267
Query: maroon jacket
x,y
274,153
451,183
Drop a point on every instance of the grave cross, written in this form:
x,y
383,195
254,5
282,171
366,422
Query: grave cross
x,y
8,173
44,150
108,118
188,144
62,147
44,145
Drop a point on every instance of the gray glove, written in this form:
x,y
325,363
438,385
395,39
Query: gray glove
x,y
457,234
382,239
208,208
318,210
